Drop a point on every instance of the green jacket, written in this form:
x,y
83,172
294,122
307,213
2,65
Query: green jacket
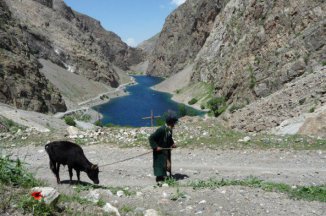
x,y
162,137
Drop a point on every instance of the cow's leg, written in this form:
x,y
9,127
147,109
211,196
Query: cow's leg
x,y
57,171
70,173
53,167
78,175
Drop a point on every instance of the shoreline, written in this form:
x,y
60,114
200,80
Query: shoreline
x,y
89,104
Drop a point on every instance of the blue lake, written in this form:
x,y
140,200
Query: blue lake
x,y
131,109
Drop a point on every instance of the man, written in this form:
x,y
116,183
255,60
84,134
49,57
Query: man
x,y
159,141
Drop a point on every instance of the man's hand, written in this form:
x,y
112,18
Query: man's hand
x,y
174,146
158,149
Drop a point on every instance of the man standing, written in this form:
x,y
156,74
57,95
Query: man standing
x,y
159,141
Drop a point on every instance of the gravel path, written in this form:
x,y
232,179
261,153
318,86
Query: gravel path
x,y
287,166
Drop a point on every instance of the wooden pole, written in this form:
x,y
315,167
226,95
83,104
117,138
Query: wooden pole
x,y
152,117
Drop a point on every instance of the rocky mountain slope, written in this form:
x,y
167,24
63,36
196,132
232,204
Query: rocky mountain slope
x,y
183,35
21,83
71,40
265,59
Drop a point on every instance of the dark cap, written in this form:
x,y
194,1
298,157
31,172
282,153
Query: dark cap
x,y
171,118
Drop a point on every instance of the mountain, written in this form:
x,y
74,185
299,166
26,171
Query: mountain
x,y
183,35
264,60
21,83
148,45
73,41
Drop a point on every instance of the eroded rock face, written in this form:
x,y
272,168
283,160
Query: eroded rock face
x,y
256,47
73,40
47,29
183,35
21,83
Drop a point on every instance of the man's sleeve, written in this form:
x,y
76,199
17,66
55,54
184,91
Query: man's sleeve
x,y
154,138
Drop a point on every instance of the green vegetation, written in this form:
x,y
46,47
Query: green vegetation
x,y
103,97
99,123
252,77
323,63
217,106
192,101
301,101
178,195
70,121
235,107
13,173
312,109
310,193
126,209
7,125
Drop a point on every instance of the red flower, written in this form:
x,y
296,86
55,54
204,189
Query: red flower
x,y
37,195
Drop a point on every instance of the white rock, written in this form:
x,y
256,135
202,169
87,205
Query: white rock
x,y
109,193
50,195
72,131
40,151
150,212
93,196
246,139
111,209
165,185
165,195
120,193
139,194
202,202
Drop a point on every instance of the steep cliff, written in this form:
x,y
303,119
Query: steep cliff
x,y
264,59
51,30
21,83
183,35
75,41
256,49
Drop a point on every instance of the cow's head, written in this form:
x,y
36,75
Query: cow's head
x,y
92,173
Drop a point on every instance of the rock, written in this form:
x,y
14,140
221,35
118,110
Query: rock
x,y
245,139
93,196
120,193
165,185
72,132
111,209
49,194
139,194
202,202
151,212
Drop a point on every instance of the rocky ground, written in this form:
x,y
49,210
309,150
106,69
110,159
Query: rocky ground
x,y
206,153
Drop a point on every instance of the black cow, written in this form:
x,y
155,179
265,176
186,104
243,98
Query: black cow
x,y
71,154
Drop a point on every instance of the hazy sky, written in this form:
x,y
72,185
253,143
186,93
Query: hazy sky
x,y
133,20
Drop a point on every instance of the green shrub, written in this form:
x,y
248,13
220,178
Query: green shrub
x,y
70,121
217,106
235,107
312,109
99,123
301,101
13,173
192,101
202,106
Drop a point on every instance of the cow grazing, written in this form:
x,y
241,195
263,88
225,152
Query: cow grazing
x,y
71,154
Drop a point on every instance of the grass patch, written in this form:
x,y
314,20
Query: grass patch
x,y
309,193
69,120
192,101
126,209
8,125
178,195
13,173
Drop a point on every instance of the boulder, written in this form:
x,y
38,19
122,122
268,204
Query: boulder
x,y
48,194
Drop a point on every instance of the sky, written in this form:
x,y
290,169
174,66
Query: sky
x,y
133,20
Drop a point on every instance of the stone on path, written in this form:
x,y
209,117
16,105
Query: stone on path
x,y
111,209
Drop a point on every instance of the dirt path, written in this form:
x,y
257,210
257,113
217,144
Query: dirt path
x,y
290,167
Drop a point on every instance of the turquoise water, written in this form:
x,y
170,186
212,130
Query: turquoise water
x,y
129,110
